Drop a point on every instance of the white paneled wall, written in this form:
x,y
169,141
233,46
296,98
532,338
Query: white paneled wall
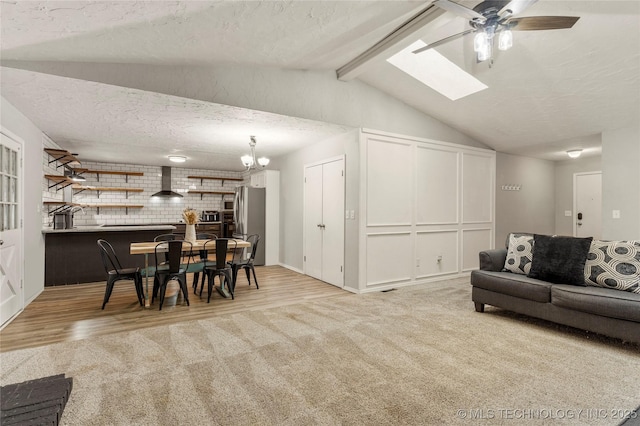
x,y
428,209
155,210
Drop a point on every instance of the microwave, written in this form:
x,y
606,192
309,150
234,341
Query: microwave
x,y
228,205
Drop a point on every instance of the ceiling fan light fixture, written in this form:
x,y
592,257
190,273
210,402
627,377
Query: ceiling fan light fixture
x,y
480,41
505,40
574,153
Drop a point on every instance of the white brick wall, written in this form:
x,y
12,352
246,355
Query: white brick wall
x,y
155,210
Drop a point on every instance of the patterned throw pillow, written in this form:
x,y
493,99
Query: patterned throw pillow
x,y
614,264
519,254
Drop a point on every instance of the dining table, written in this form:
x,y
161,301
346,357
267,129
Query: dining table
x,y
149,247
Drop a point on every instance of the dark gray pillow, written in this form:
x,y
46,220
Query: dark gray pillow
x,y
559,259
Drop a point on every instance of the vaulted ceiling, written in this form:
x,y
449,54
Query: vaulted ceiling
x,y
554,90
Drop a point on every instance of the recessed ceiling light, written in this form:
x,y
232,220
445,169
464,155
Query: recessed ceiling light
x,y
436,71
574,153
177,158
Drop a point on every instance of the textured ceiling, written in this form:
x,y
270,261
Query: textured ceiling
x,y
554,90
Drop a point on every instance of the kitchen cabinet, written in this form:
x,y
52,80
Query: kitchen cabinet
x,y
202,227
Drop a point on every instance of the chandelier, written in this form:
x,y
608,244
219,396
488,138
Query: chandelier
x,y
249,161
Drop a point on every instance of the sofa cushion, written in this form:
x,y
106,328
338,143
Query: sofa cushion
x,y
519,254
559,259
599,301
613,264
515,285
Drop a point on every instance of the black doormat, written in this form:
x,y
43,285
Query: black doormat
x,y
39,401
632,418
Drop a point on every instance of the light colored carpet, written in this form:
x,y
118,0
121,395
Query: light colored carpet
x,y
414,356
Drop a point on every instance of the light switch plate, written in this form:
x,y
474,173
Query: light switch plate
x,y
567,213
346,215
615,214
353,214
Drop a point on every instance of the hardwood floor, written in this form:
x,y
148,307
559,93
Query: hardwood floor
x,y
67,313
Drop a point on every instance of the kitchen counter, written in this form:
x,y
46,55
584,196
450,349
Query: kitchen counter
x,y
109,228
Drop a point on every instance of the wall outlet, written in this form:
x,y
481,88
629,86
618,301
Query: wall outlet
x,y
567,213
615,214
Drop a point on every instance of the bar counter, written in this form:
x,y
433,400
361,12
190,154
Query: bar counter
x,y
72,255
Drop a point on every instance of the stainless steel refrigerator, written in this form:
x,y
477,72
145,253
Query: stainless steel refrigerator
x,y
249,216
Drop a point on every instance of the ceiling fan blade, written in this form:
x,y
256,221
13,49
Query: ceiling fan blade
x,y
534,23
459,10
444,40
516,7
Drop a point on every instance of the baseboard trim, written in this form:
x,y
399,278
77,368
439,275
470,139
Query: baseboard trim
x,y
291,268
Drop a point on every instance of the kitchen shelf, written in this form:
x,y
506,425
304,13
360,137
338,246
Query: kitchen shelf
x,y
202,178
114,172
62,156
58,180
63,205
193,191
99,189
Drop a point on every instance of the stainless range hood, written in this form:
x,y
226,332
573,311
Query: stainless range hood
x,y
166,191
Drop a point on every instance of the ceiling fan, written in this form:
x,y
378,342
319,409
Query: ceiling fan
x,y
492,18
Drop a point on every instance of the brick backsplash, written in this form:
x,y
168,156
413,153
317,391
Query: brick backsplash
x,y
154,210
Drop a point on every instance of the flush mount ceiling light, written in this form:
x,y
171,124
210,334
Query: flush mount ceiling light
x,y
249,161
177,158
574,153
75,176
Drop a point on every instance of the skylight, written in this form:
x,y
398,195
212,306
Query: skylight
x,y
436,71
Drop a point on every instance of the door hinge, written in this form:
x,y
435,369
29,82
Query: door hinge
x,y
340,268
305,258
20,283
342,173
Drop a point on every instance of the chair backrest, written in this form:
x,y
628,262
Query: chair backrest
x,y
109,257
174,254
222,246
254,239
165,237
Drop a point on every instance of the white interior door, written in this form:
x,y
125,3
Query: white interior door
x,y
587,193
333,222
313,221
11,291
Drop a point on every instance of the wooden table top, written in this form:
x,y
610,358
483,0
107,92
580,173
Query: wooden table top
x,y
150,247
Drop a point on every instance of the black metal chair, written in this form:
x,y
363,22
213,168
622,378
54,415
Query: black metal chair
x,y
220,268
198,264
246,263
172,269
115,272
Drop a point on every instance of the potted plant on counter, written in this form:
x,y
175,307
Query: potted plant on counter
x,y
191,217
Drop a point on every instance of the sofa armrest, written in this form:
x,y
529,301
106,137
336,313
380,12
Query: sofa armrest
x,y
493,260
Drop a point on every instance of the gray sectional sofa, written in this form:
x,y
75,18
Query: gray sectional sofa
x,y
604,311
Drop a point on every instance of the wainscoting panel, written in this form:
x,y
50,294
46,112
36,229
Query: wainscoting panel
x,y
473,242
437,186
478,172
436,253
389,257
389,182
427,208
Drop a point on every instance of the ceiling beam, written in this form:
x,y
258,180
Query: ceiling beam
x,y
356,66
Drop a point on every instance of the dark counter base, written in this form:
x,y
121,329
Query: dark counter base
x,y
74,258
